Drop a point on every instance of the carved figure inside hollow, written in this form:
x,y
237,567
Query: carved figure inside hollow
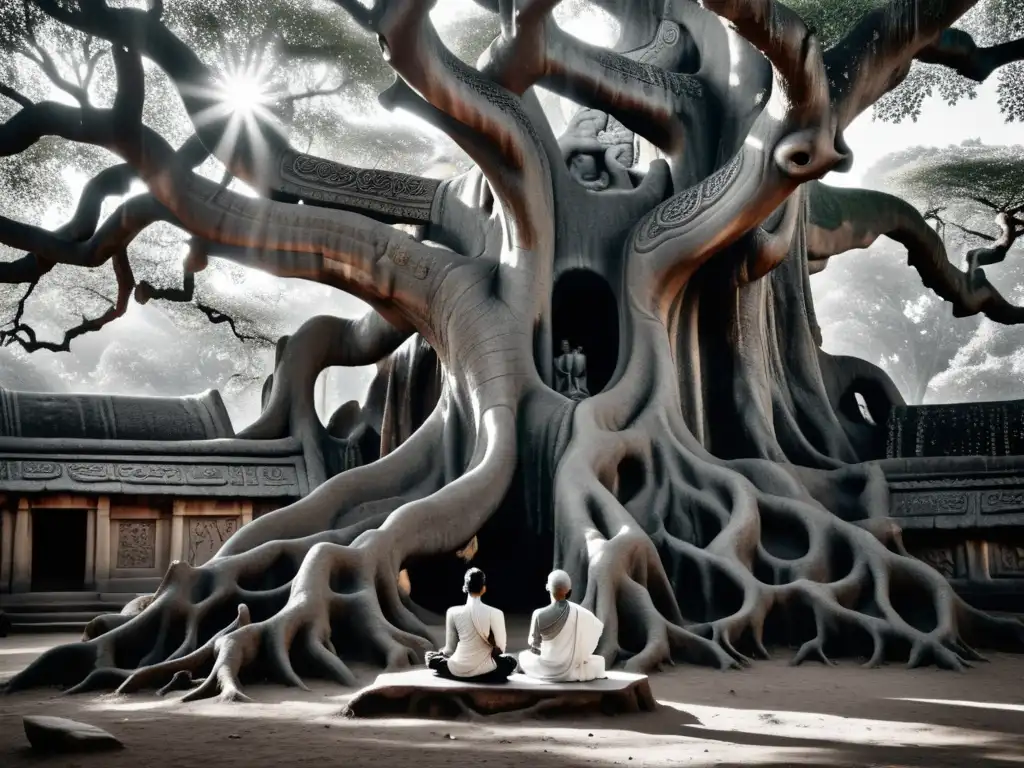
x,y
571,373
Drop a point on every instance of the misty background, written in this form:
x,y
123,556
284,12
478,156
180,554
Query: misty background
x,y
869,302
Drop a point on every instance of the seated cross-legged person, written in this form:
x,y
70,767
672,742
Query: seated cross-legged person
x,y
563,638
474,639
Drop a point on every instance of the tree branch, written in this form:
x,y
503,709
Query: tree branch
x,y
790,142
876,55
146,292
957,50
843,219
487,120
25,336
370,260
260,156
656,104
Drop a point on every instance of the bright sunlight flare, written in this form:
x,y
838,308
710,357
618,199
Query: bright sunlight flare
x,y
244,93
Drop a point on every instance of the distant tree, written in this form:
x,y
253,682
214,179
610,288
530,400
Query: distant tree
x,y
978,191
875,307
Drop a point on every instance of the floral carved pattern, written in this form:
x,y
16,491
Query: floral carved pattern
x,y
136,544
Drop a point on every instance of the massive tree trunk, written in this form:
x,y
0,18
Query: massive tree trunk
x,y
711,495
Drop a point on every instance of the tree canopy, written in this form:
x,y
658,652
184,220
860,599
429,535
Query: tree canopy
x,y
594,349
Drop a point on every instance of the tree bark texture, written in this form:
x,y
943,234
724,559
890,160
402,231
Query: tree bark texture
x,y
714,494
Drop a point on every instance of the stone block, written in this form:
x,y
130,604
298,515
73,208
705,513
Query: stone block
x,y
420,693
60,735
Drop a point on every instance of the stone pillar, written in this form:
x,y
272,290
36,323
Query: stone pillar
x,y
102,534
90,550
6,549
177,550
246,512
21,578
977,561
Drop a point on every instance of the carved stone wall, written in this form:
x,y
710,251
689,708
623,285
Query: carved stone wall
x,y
136,544
205,535
963,429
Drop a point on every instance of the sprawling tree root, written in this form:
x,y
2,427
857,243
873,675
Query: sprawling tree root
x,y
709,499
745,542
300,601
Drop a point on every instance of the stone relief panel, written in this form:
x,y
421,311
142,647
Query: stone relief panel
x,y
205,535
941,559
136,544
1006,560
914,504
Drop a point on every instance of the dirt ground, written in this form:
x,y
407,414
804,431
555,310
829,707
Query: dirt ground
x,y
769,715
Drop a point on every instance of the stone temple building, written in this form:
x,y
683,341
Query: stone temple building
x,y
99,493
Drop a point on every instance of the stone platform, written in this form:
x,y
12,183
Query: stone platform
x,y
419,693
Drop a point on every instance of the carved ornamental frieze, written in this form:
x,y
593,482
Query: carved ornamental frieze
x,y
103,475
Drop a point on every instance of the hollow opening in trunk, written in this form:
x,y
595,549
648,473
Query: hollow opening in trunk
x,y
585,315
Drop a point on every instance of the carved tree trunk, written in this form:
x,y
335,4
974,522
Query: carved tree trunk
x,y
710,494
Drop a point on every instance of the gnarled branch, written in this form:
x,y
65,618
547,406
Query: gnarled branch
x,y
957,50
645,98
791,141
263,157
485,119
876,55
843,219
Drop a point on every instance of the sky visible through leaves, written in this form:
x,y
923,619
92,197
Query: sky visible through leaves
x,y
171,349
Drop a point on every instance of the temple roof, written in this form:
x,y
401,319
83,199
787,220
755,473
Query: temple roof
x,y
113,417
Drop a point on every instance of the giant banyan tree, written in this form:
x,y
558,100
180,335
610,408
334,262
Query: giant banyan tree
x,y
697,467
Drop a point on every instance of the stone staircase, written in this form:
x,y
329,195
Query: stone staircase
x,y
59,611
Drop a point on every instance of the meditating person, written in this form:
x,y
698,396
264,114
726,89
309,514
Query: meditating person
x,y
474,639
563,638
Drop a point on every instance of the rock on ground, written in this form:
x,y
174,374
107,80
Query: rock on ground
x,y
58,734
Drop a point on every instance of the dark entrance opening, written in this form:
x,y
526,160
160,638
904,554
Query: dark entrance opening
x,y
58,549
584,312
515,554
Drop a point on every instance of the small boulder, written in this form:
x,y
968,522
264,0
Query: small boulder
x,y
58,734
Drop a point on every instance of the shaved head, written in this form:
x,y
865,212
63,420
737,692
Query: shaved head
x,y
559,584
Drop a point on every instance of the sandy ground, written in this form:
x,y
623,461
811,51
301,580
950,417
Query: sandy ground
x,y
769,715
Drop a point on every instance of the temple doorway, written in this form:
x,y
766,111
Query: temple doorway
x,y
58,549
584,312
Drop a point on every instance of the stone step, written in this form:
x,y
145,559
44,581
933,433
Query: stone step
x,y
60,611
95,606
56,617
34,598
53,626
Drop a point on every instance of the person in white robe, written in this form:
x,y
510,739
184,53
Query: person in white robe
x,y
563,638
474,638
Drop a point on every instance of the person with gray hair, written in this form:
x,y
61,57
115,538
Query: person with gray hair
x,y
563,638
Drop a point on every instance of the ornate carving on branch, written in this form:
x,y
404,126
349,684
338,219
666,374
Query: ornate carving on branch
x,y
497,96
680,85
913,505
392,194
682,208
206,535
136,544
